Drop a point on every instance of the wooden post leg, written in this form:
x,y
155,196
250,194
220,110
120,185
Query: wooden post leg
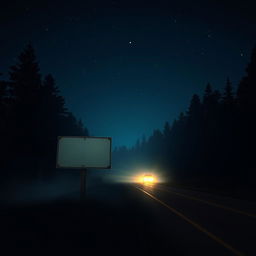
x,y
82,184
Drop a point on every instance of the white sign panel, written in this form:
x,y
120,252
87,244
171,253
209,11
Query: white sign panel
x,y
84,152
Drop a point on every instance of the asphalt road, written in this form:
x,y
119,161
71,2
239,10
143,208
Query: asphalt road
x,y
134,219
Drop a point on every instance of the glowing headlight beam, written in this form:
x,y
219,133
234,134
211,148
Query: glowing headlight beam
x,y
148,179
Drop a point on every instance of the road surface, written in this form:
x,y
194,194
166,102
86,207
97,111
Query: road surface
x,y
134,219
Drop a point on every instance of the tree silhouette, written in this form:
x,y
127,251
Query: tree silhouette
x,y
207,94
213,143
36,116
25,77
25,84
3,95
167,130
246,95
247,90
3,122
195,109
228,96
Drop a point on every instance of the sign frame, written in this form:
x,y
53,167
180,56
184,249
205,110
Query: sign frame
x,y
83,167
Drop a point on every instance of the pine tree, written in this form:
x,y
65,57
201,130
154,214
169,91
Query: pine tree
x,y
167,130
70,125
25,85
210,103
216,96
83,130
51,98
246,92
246,99
51,111
228,96
195,108
3,122
207,93
3,95
25,77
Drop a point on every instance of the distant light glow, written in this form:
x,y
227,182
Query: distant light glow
x,y
148,179
139,176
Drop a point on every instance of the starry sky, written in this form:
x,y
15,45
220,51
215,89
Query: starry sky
x,y
126,67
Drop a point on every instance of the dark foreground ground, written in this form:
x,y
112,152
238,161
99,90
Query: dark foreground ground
x,y
120,218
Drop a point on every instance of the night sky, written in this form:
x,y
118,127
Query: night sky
x,y
126,68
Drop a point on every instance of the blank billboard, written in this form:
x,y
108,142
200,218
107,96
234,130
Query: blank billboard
x,y
84,152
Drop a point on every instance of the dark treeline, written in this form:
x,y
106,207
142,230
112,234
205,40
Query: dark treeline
x,y
213,142
32,115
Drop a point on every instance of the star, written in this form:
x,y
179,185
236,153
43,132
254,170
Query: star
x,y
131,43
241,54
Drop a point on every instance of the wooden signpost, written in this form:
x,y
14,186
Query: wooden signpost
x,y
82,153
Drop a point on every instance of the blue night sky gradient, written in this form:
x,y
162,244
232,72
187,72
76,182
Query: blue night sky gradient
x,y
125,70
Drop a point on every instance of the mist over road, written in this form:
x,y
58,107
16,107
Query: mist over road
x,y
131,218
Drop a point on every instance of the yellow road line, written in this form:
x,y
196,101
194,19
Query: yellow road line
x,y
197,226
210,203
